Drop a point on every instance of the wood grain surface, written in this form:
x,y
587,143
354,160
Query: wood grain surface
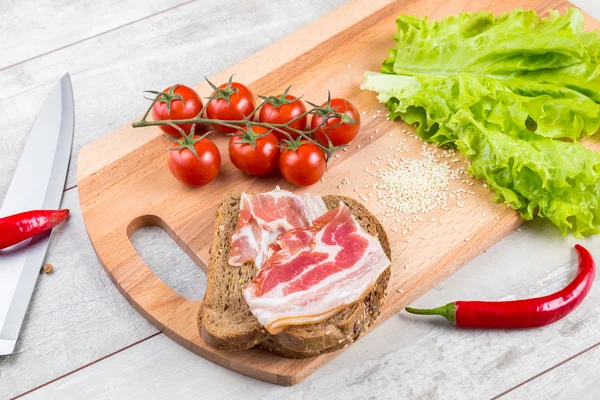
x,y
406,357
77,316
66,352
123,183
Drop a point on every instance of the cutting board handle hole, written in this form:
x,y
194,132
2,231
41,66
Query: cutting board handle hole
x,y
167,256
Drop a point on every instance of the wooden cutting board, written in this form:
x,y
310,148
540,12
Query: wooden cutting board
x,y
124,182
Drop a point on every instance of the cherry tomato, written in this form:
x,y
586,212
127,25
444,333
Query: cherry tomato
x,y
252,153
192,170
170,106
303,166
339,135
281,110
234,101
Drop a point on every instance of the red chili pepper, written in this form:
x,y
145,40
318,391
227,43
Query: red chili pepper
x,y
528,313
16,228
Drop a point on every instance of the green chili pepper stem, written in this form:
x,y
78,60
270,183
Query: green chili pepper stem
x,y
448,311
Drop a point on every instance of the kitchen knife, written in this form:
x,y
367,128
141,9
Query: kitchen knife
x,y
38,184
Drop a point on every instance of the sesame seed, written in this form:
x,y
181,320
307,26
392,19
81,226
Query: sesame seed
x,y
455,227
409,240
394,229
424,237
390,134
406,266
322,179
481,220
364,112
518,229
400,291
404,232
383,220
434,231
337,156
411,186
467,239
376,130
356,189
497,218
374,116
370,137
349,66
330,79
339,186
345,149
358,146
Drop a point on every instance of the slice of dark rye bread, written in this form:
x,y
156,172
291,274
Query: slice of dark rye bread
x,y
225,321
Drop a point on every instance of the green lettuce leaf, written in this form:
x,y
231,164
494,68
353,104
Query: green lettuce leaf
x,y
504,90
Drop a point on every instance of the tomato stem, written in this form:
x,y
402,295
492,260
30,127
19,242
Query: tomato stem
x,y
187,141
224,93
326,112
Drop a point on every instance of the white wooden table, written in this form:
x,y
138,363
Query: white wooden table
x,y
81,339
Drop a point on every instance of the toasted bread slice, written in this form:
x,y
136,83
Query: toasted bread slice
x,y
225,320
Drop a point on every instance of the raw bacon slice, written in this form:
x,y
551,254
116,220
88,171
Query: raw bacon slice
x,y
265,216
316,271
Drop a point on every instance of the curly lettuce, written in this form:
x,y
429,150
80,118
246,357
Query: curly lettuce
x,y
514,94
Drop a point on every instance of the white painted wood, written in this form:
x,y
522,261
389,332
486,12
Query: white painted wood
x,y
169,262
110,72
77,316
575,379
47,25
407,357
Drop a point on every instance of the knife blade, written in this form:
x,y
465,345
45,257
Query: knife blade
x,y
38,184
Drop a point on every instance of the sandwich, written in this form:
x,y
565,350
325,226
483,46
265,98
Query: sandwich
x,y
298,275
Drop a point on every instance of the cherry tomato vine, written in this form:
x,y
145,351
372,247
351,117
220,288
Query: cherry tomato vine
x,y
326,112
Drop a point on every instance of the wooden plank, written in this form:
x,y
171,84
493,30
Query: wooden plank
x,y
575,379
110,72
120,173
76,315
407,357
498,272
55,26
126,62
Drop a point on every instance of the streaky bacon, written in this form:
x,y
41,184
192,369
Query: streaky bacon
x,y
315,271
263,217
